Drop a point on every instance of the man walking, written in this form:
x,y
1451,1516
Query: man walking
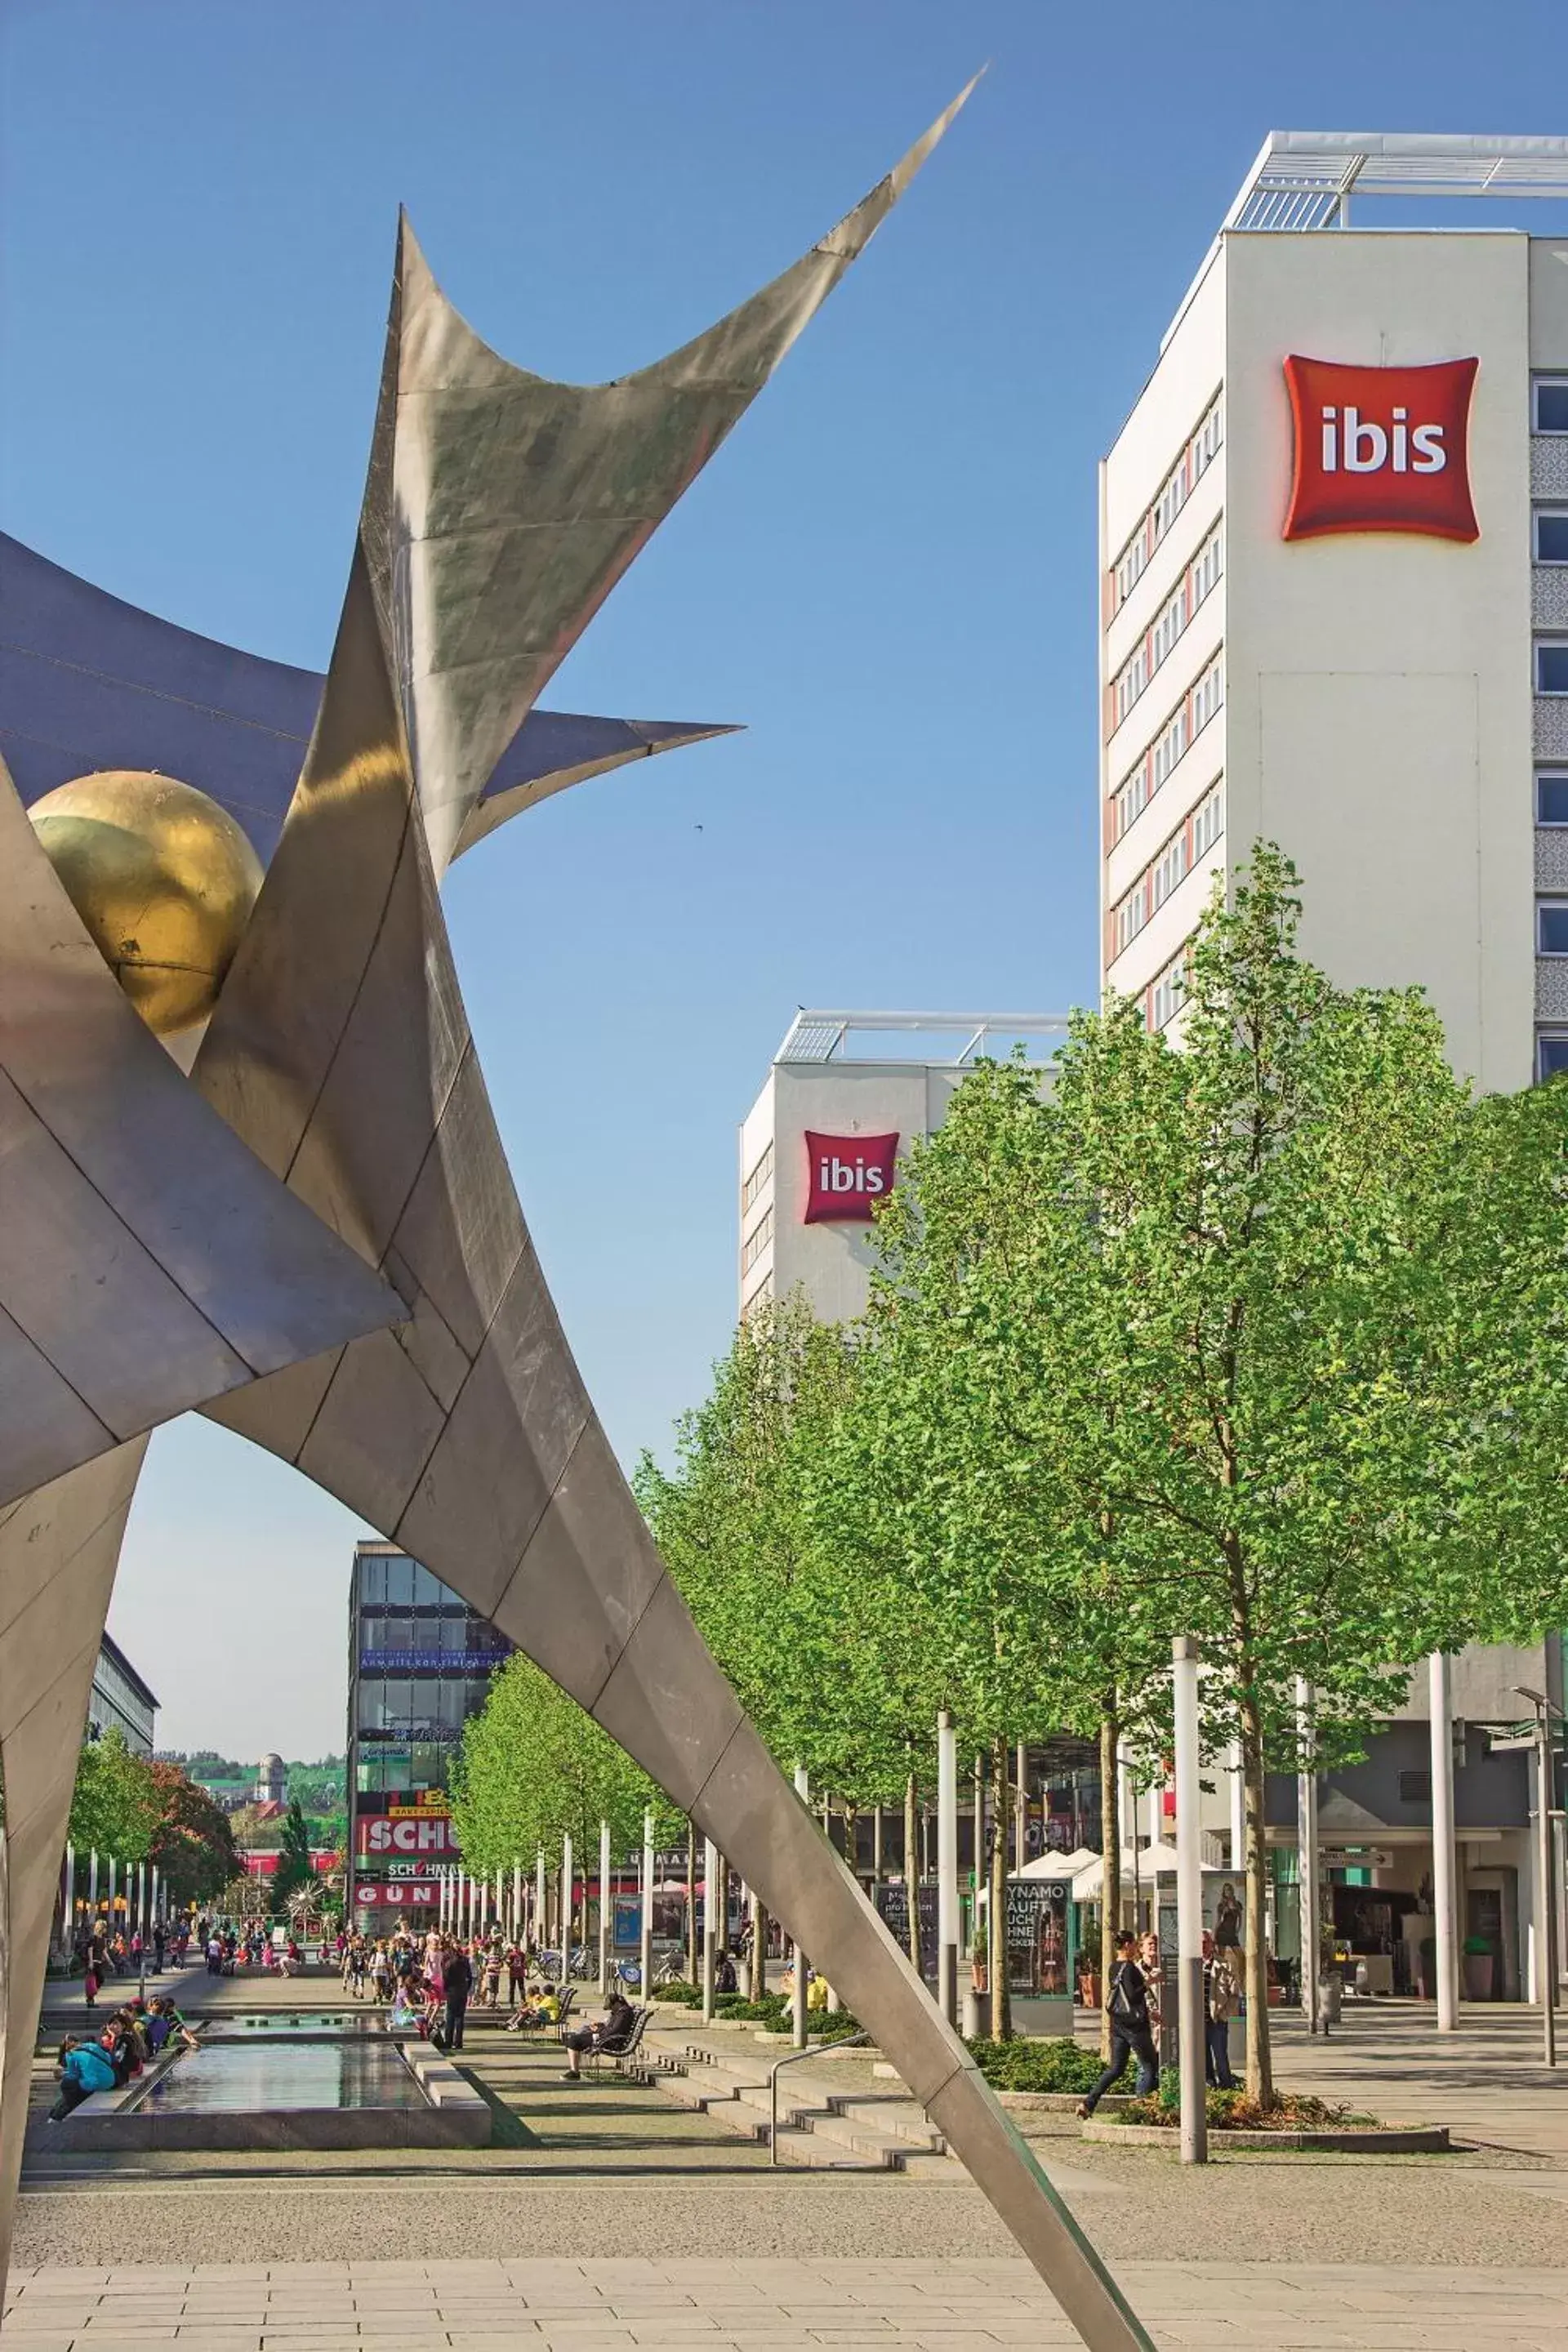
x,y
1132,2032
457,1983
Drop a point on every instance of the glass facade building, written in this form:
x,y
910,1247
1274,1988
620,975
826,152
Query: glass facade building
x,y
420,1662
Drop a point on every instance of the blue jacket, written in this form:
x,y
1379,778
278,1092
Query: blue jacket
x,y
88,2064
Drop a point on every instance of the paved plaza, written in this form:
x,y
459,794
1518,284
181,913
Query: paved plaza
x,y
609,2214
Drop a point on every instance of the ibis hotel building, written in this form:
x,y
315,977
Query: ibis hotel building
x,y
1334,589
1334,613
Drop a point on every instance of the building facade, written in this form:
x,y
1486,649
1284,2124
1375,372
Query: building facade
x,y
1334,614
420,1662
120,1701
847,1094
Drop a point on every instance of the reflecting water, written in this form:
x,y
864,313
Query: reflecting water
x,y
280,2023
266,2073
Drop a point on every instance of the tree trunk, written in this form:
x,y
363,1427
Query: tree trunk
x,y
1109,1861
1259,2061
693,1948
851,1835
1001,1999
759,1983
912,1867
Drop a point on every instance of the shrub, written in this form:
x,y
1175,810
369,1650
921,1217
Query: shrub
x,y
1025,2065
1234,2111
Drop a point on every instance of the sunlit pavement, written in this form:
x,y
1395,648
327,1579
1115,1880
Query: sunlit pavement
x,y
767,2306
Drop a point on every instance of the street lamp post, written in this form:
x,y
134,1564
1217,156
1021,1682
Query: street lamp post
x,y
797,1999
1546,1924
1189,1902
645,1924
947,1867
1443,1898
603,1910
1307,1842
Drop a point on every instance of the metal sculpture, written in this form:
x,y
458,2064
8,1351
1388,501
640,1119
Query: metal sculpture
x,y
500,509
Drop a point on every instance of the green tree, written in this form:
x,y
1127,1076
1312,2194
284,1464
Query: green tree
x,y
116,1805
1255,1235
534,1766
296,1871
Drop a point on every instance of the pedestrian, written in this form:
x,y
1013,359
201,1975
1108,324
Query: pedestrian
x,y
1222,2000
160,1939
457,1983
1132,2032
613,2033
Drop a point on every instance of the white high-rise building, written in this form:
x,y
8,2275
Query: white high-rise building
x,y
1334,563
847,1094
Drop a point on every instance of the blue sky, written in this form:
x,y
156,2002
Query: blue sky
x,y
887,573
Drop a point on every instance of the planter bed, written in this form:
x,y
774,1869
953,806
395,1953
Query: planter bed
x,y
1355,2140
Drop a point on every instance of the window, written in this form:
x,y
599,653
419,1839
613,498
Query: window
x,y
1415,1788
757,1179
1552,796
1169,992
1551,1053
1133,913
1138,788
1552,927
1175,491
1198,582
1171,867
1552,403
1552,666
1208,823
757,1241
1551,534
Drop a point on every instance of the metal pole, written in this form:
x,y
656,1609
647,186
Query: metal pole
x,y
1020,1805
540,1937
1445,1897
709,1874
798,2002
1546,1925
1306,1846
876,1849
603,1910
644,1938
1189,1902
92,1882
517,1903
947,1867
566,1908
69,1906
141,1930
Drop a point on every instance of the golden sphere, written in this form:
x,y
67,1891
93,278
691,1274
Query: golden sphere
x,y
162,878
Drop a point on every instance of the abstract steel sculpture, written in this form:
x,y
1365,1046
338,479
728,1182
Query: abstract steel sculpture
x,y
333,1261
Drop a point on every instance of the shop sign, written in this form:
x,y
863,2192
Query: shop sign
x,y
847,1175
399,1892
1381,448
444,1662
408,1834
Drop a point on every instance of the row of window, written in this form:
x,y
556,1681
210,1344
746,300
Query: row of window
x,y
757,1179
1552,665
1174,493
756,1241
1552,796
1154,765
1552,927
1192,839
1159,642
1551,1054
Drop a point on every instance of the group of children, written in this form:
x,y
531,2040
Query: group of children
x,y
110,2059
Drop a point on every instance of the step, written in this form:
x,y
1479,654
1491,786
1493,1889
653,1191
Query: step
x,y
880,2135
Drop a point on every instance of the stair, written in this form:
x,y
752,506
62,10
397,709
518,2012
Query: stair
x,y
817,2128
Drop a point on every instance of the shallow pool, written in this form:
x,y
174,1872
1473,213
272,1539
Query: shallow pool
x,y
271,2074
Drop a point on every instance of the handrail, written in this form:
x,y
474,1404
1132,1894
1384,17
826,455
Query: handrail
x,y
792,2058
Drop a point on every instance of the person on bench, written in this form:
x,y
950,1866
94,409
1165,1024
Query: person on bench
x,y
612,2034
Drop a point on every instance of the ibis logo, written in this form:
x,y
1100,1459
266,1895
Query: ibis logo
x,y
1381,448
847,1175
